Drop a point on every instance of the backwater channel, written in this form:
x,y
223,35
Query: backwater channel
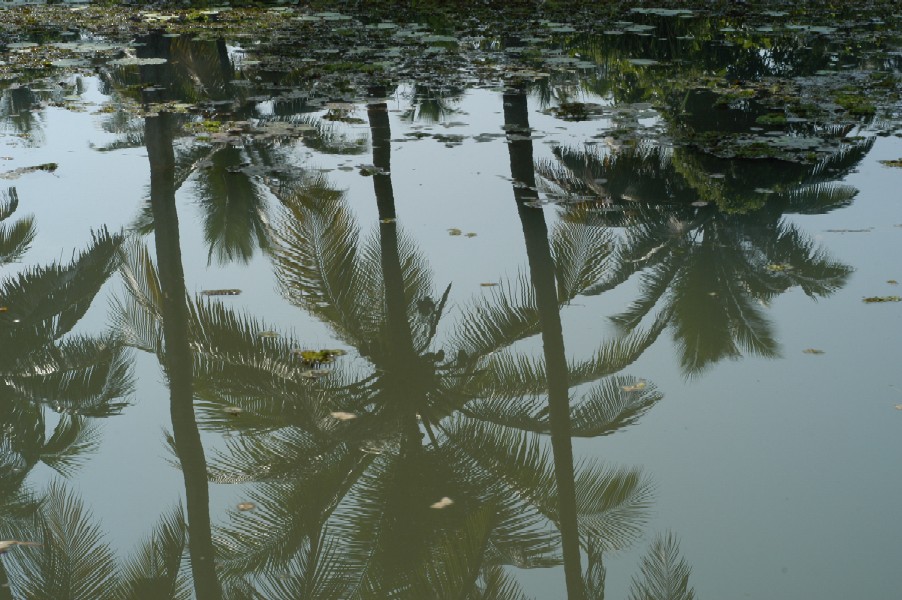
x,y
302,303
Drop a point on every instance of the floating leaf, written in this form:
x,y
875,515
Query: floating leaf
x,y
342,416
245,506
225,292
892,163
812,351
15,173
268,334
873,299
445,502
318,357
471,235
779,267
311,356
7,544
233,411
637,387
132,61
370,170
488,284
454,231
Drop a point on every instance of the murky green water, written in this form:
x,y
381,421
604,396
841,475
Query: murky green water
x,y
330,306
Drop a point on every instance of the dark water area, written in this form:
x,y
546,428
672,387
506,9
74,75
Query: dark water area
x,y
329,303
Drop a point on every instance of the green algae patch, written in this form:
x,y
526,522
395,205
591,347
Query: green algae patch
x,y
855,104
880,299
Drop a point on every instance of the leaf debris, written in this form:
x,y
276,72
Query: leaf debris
x,y
445,502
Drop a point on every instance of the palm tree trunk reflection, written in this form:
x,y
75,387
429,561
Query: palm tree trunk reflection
x,y
158,133
400,382
541,269
396,304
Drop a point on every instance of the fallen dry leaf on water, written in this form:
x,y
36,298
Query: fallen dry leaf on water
x,y
443,503
638,386
245,506
812,351
342,416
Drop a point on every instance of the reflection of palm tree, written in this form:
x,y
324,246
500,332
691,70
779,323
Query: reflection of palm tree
x,y
732,114
226,168
18,104
74,560
668,575
42,364
198,71
432,104
664,573
177,355
541,267
705,272
78,375
392,322
337,502
234,208
309,466
336,498
16,238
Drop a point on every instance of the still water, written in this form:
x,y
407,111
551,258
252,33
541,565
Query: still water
x,y
333,306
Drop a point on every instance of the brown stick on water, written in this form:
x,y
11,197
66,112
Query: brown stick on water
x,y
6,545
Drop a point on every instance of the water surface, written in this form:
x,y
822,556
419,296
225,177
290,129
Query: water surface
x,y
335,306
